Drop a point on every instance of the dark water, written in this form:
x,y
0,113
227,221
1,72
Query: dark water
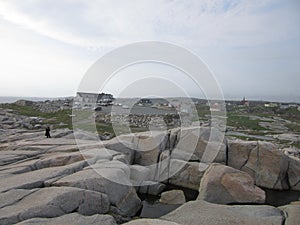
x,y
152,208
279,198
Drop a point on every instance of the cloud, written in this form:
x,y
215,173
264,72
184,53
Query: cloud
x,y
240,40
114,23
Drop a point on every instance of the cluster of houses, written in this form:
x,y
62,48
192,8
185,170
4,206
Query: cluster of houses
x,y
84,99
246,103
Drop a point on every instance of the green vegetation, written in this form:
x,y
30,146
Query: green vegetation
x,y
54,118
243,122
238,117
295,128
202,111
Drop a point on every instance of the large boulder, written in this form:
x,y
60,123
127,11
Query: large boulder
x,y
53,202
201,212
103,178
181,173
173,197
291,213
222,184
122,146
294,173
72,219
139,173
148,146
206,143
262,160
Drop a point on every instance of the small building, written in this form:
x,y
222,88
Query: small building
x,y
284,106
271,105
293,105
85,98
145,101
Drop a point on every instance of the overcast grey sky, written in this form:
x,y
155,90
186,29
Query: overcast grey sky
x,y
252,46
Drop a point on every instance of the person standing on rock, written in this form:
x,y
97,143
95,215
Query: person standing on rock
x,y
47,134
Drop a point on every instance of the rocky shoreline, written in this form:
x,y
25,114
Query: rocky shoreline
x,y
63,180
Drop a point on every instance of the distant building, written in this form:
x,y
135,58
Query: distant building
x,y
284,106
85,98
244,102
293,105
288,105
145,101
271,105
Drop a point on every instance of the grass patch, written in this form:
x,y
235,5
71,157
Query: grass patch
x,y
243,122
53,118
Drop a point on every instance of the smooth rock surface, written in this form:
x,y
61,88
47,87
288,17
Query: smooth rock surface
x,y
201,212
139,173
294,173
262,160
124,147
36,178
181,173
53,202
103,179
13,196
291,213
173,197
223,185
72,219
205,143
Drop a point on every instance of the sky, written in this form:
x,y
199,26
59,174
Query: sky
x,y
251,47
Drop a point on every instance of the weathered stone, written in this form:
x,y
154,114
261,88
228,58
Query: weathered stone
x,y
104,179
291,213
201,212
72,219
59,133
13,196
139,173
126,148
266,164
150,187
294,173
35,179
99,154
148,147
8,157
59,160
222,184
53,202
181,173
150,222
172,197
181,155
205,143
